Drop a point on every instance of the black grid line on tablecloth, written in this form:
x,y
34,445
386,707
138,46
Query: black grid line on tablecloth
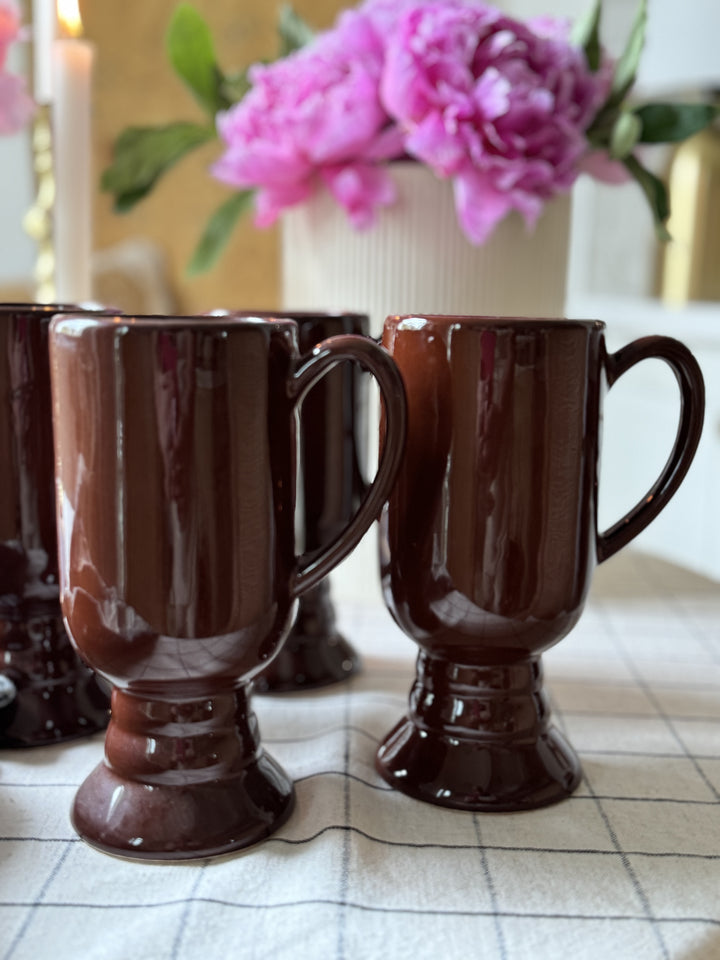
x,y
37,903
343,828
487,873
613,633
637,885
345,852
360,907
615,636
187,906
352,827
622,854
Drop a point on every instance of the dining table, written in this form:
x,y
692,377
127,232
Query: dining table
x,y
627,868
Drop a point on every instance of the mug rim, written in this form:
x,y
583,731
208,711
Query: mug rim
x,y
295,314
51,308
159,321
470,321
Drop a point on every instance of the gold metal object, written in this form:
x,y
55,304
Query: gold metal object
x,y
38,221
691,260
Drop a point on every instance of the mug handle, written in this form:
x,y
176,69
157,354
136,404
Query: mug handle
x,y
692,411
315,566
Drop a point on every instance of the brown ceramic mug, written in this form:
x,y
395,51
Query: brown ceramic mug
x,y
175,461
489,541
333,438
49,694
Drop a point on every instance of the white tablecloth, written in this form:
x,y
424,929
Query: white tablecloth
x,y
629,867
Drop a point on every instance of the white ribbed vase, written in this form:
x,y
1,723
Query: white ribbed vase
x,y
415,259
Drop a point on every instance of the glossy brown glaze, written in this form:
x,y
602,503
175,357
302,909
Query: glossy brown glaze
x,y
489,541
54,697
333,438
175,459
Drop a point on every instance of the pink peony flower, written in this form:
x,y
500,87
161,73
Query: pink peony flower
x,y
16,106
493,104
314,118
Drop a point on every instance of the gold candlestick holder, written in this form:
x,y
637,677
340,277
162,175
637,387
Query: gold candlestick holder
x,y
38,221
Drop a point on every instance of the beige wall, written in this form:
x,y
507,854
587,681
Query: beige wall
x,y
135,85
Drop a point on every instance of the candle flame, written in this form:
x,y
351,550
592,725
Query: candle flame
x,y
69,17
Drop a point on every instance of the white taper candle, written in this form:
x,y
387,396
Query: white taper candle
x,y
44,32
72,74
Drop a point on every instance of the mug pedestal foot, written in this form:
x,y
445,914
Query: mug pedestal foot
x,y
479,738
314,654
51,696
181,780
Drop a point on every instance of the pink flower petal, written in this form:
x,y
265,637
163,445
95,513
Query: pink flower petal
x,y
600,166
431,142
360,189
387,145
270,202
314,117
480,207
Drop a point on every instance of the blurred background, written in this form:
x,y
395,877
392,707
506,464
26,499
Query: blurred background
x,y
613,242
618,271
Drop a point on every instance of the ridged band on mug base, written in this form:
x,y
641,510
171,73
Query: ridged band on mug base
x,y
479,738
56,697
182,779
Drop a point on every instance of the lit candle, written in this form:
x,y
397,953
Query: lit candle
x,y
44,33
72,72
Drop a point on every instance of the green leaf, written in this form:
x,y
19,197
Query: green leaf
x,y
192,54
586,34
627,65
294,33
625,135
141,155
672,122
218,231
655,192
